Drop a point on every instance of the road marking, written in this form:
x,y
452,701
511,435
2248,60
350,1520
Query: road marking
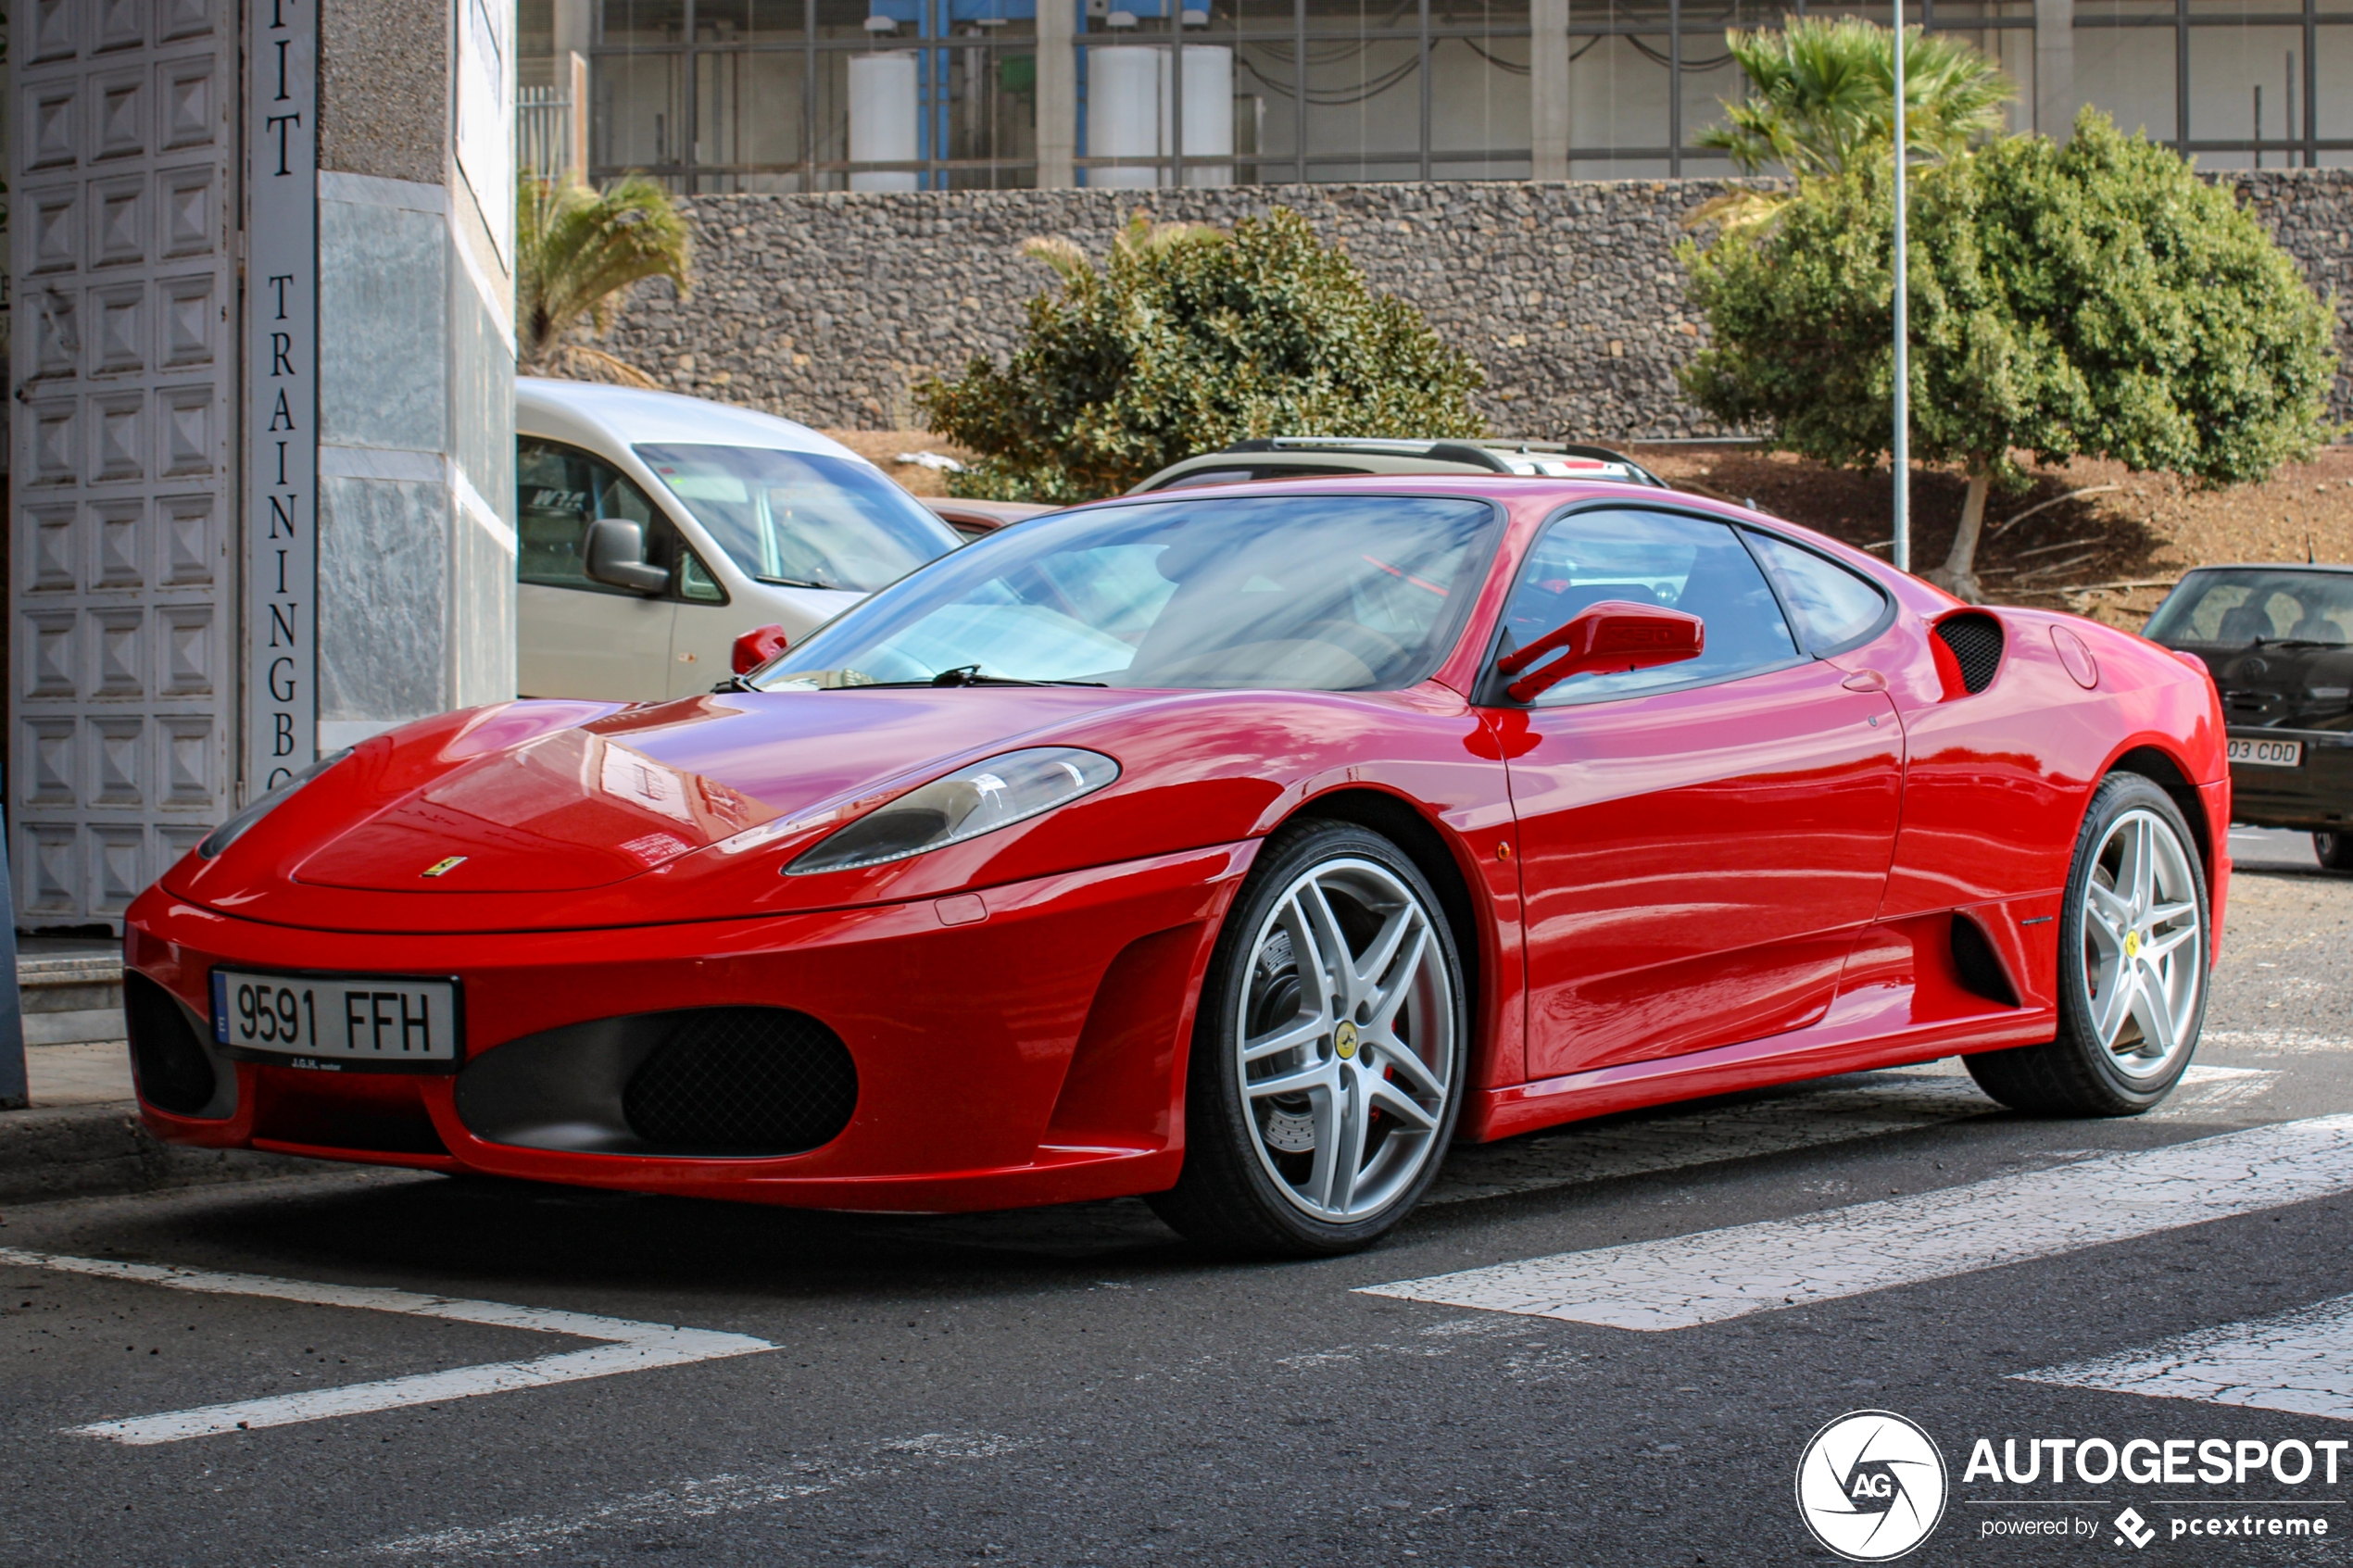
x,y
699,1499
2300,1362
1714,1275
2274,1042
1882,1103
628,1346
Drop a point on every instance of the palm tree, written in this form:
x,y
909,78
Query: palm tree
x,y
1821,93
577,252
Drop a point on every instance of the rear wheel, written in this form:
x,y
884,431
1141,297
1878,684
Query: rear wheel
x,y
2335,849
1328,1053
2133,966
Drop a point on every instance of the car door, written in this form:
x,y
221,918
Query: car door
x,y
576,637
1699,842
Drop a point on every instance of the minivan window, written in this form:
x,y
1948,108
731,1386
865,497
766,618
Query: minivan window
x,y
558,492
804,519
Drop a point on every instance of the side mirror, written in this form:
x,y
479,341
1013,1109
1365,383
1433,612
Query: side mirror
x,y
617,554
1604,639
756,647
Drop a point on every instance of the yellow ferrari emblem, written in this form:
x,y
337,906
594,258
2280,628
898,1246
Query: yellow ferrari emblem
x,y
442,868
1345,1040
2132,944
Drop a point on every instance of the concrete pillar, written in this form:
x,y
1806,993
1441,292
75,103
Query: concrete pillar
x,y
575,79
2055,68
1057,94
417,360
1548,116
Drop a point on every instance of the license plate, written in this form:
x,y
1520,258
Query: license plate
x,y
2268,753
338,1022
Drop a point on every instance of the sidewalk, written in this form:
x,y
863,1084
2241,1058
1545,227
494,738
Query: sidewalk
x,y
82,1137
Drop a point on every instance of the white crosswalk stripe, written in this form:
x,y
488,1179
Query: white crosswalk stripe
x,y
2299,1362
1714,1275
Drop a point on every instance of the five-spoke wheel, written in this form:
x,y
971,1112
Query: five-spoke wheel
x,y
1328,1055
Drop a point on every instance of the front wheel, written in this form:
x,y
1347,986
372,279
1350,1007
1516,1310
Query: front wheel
x,y
2334,850
2133,966
1328,1053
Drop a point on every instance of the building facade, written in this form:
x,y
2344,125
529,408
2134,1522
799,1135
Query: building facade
x,y
784,95
262,433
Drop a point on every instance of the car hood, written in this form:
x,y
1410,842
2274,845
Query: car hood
x,y
544,815
2282,686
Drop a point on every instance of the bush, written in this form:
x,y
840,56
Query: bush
x,y
1186,340
2094,299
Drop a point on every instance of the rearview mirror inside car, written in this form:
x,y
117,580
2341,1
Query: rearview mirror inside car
x,y
1604,639
617,556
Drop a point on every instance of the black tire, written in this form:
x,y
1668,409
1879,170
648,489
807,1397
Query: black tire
x,y
1227,1197
2073,1075
2334,850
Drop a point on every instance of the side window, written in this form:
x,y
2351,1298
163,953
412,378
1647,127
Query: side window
x,y
696,584
1687,563
558,492
1833,606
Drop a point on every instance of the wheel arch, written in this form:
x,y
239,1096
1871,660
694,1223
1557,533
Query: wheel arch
x,y
1437,854
2155,764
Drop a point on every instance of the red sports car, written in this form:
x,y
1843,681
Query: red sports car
x,y
1238,849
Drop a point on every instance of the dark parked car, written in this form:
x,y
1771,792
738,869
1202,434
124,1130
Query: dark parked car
x,y
2279,640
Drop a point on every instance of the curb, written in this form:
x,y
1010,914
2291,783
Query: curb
x,y
102,1151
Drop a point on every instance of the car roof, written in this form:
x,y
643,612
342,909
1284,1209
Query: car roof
x,y
623,416
2334,567
1401,455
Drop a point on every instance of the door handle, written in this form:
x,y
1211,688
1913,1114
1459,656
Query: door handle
x,y
1864,681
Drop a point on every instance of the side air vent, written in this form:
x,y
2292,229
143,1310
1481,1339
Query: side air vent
x,y
1981,972
743,1081
1976,642
173,1071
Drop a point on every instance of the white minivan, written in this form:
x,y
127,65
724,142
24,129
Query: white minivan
x,y
655,530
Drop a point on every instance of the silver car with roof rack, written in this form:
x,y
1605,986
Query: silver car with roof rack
x,y
1314,457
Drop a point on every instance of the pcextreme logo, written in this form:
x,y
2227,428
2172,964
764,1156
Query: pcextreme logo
x,y
1870,1486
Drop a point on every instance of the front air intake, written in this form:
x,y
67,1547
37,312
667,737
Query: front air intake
x,y
1976,642
752,1081
170,1065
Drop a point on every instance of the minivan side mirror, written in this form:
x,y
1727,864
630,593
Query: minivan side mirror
x,y
1604,639
617,556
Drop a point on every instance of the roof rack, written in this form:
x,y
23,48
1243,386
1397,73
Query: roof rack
x,y
1553,458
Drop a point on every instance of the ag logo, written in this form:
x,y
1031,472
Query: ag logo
x,y
1870,1486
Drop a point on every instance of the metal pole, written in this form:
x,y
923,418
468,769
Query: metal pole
x,y
1903,447
15,1093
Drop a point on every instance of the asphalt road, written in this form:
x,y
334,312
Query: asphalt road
x,y
1077,1387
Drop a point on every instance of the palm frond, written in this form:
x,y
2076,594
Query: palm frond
x,y
579,250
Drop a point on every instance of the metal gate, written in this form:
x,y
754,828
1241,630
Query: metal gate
x,y
125,352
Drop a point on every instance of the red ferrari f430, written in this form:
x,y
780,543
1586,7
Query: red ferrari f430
x,y
1240,849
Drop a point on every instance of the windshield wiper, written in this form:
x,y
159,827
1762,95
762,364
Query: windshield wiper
x,y
970,676
2297,643
800,582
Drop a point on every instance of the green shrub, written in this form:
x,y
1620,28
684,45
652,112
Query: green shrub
x,y
2094,299
1188,339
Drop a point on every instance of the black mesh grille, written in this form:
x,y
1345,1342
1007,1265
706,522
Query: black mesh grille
x,y
1976,642
743,1081
173,1071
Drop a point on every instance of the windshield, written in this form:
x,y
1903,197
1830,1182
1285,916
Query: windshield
x,y
2240,607
805,520
1322,592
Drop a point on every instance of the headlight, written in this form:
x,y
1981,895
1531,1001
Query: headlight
x,y
234,828
981,798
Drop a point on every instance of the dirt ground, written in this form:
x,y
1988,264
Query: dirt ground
x,y
2110,550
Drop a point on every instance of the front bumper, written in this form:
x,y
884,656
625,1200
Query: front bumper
x,y
2316,795
1033,1055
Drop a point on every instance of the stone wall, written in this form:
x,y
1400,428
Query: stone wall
x,y
828,308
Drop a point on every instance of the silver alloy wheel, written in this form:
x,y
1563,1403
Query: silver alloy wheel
x,y
2144,947
1347,1039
